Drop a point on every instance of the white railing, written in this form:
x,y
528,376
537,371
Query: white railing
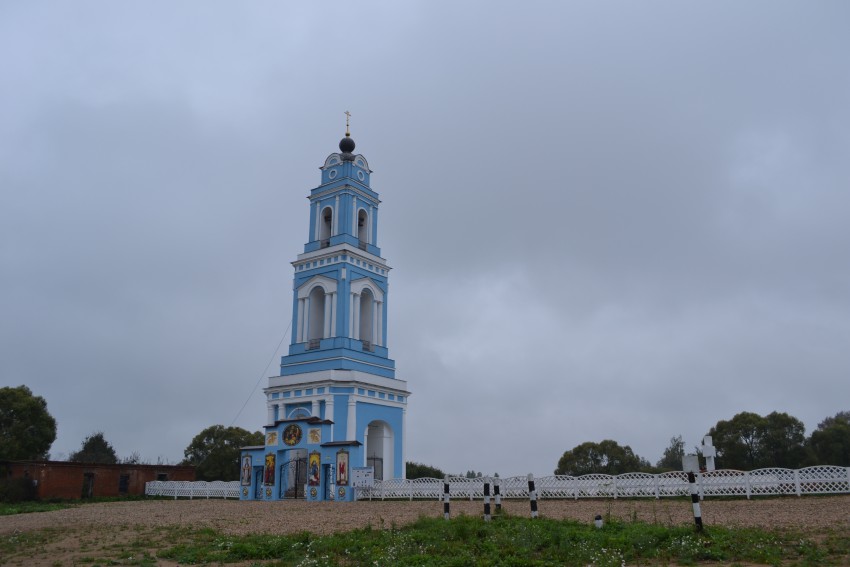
x,y
190,490
761,482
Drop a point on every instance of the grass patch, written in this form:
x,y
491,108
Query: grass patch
x,y
7,509
513,541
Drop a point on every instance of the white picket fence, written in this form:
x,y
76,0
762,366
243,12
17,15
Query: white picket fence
x,y
761,482
190,489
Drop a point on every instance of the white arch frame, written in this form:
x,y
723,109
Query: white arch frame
x,y
387,449
326,231
330,288
296,411
357,287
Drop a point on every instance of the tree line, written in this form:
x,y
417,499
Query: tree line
x,y
747,441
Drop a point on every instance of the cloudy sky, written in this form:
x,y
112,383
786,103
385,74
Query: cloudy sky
x,y
621,220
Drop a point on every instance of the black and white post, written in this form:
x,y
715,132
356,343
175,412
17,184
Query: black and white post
x,y
487,500
690,465
497,495
446,497
532,495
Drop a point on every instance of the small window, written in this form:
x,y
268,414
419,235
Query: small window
x,y
162,477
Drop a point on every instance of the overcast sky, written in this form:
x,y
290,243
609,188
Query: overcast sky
x,y
623,220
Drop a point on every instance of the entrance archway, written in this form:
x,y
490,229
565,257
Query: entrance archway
x,y
379,449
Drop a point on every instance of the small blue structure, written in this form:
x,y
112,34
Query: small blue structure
x,y
337,403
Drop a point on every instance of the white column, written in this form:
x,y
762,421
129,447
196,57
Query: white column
x,y
335,229
356,318
371,213
329,412
403,442
306,328
281,410
351,426
326,331
389,454
316,226
354,212
299,330
333,315
315,409
380,310
271,413
374,315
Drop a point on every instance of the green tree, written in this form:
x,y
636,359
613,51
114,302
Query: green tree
x,y
95,449
606,457
27,430
671,460
215,451
749,441
418,470
830,442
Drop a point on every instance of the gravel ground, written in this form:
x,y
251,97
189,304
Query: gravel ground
x,y
294,516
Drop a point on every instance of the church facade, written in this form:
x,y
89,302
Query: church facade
x,y
337,405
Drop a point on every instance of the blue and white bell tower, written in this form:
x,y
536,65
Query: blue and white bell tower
x,y
338,377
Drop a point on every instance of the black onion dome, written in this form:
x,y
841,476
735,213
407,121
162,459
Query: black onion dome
x,y
346,145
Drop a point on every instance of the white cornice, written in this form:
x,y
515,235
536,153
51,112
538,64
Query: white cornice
x,y
339,378
337,249
343,188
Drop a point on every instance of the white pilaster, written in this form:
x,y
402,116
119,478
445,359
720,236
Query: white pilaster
x,y
351,425
329,412
371,213
380,311
356,318
270,413
315,408
299,331
306,328
318,222
354,212
374,337
326,331
332,332
403,442
335,228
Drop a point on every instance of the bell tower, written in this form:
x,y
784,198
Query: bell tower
x,y
338,367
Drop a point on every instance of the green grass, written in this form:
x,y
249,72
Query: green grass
x,y
7,509
463,540
515,541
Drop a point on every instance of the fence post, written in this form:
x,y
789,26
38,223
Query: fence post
x,y
532,495
797,481
446,498
487,500
498,495
616,488
657,486
747,482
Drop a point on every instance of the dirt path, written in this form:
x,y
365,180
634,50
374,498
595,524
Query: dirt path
x,y
235,517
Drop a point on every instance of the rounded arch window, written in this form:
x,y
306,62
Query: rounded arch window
x,y
363,225
326,223
367,305
316,324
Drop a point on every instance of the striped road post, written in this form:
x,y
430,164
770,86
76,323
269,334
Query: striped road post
x,y
692,481
532,495
497,495
690,465
446,497
487,500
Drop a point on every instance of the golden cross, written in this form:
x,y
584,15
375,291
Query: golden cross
x,y
347,116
